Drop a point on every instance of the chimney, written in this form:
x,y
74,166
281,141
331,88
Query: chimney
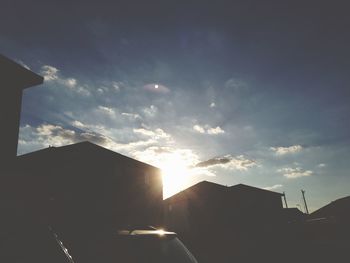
x,y
13,79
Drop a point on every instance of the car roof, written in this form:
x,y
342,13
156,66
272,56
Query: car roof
x,y
146,232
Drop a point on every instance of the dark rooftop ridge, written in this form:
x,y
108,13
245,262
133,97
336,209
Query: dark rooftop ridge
x,y
17,75
87,146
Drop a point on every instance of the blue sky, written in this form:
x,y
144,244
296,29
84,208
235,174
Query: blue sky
x,y
253,92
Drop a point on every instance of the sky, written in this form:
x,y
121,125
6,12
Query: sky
x,y
252,92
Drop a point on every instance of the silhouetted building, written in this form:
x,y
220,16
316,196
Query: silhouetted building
x,y
213,202
293,215
13,79
338,210
220,222
90,184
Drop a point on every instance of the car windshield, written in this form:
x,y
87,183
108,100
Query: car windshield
x,y
155,249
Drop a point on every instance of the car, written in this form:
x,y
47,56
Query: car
x,y
146,245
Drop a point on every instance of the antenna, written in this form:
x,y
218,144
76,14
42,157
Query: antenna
x,y
285,199
306,209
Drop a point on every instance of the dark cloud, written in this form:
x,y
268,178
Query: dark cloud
x,y
214,161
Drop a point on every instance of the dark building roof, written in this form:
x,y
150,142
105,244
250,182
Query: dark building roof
x,y
205,189
293,214
80,150
200,190
16,75
339,208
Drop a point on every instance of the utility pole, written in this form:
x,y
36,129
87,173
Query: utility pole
x,y
306,209
285,200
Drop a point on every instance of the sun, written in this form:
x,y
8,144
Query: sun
x,y
175,176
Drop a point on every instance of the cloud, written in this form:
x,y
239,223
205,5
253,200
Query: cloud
x,y
106,111
157,133
116,85
214,131
168,158
49,72
132,116
286,150
51,75
273,187
70,82
45,135
321,165
212,105
199,129
239,162
150,111
208,130
294,172
23,64
156,88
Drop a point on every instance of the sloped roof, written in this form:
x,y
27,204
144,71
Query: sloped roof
x,y
205,188
16,75
198,190
81,149
339,207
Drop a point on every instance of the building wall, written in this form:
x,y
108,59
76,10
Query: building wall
x,y
96,188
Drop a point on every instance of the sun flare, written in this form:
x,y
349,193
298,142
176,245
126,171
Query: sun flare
x,y
174,178
178,167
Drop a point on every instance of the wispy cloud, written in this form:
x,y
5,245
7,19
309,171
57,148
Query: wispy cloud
x,y
208,129
239,162
157,133
295,172
273,187
52,75
286,150
106,110
150,111
215,131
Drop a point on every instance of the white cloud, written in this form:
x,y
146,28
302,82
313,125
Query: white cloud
x,y
214,131
286,150
70,82
212,105
199,129
106,110
157,133
49,72
131,115
78,124
321,165
208,129
294,172
273,187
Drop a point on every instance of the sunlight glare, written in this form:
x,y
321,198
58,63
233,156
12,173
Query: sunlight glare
x,y
174,174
